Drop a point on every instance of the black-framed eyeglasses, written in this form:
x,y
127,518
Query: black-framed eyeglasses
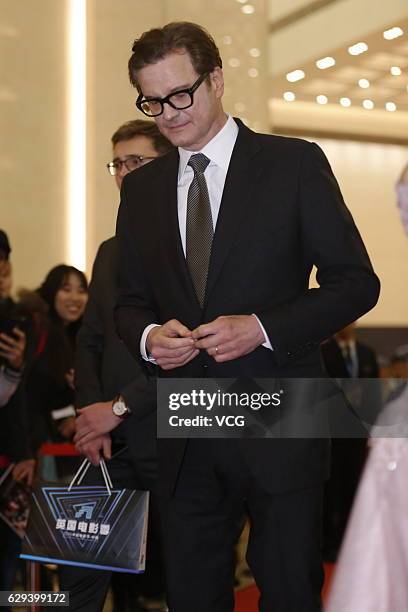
x,y
179,100
131,163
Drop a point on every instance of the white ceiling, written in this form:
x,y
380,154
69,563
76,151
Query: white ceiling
x,y
342,79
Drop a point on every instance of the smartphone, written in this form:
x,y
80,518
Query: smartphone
x,y
8,323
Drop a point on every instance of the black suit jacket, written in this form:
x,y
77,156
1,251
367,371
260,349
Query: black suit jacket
x,y
281,213
103,365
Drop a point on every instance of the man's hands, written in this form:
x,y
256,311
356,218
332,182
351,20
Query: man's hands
x,y
12,348
171,345
24,470
92,430
229,337
92,450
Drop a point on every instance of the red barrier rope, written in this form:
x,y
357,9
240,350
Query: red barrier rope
x,y
62,449
51,449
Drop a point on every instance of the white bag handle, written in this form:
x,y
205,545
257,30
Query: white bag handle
x,y
82,470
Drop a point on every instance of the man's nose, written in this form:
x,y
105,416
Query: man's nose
x,y
169,112
123,170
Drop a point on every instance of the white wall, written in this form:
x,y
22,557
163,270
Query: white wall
x,y
367,173
32,135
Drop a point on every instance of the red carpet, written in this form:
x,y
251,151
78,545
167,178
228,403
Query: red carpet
x,y
246,599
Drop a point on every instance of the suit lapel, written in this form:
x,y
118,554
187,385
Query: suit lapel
x,y
240,181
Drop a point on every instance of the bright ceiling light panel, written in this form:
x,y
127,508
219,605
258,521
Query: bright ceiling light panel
x,y
358,48
289,96
325,62
368,104
295,75
393,33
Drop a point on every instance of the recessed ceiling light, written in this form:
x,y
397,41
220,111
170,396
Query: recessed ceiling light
x,y
254,52
346,102
393,33
364,83
321,99
395,70
253,72
368,104
390,106
227,40
325,62
358,48
289,96
248,9
295,75
234,62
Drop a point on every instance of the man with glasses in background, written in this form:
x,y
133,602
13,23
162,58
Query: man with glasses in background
x,y
105,374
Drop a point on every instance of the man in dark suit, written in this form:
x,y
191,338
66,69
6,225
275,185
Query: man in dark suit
x,y
214,283
346,358
104,370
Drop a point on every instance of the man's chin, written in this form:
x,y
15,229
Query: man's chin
x,y
179,136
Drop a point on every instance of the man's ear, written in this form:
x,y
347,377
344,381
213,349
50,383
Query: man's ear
x,y
217,81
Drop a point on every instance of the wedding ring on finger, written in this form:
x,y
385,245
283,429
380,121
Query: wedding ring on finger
x,y
216,350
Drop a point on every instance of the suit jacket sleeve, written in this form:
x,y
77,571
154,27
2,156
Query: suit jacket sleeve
x,y
134,311
90,342
140,396
348,287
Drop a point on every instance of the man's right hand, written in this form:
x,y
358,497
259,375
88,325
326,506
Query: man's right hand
x,y
92,450
171,345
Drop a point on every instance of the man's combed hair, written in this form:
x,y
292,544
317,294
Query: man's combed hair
x,y
174,37
139,127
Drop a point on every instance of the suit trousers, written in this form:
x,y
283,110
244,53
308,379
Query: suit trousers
x,y
88,587
204,518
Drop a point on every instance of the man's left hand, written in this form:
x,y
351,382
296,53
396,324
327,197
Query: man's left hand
x,y
94,421
229,337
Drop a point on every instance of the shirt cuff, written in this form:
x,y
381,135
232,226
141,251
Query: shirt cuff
x,y
143,350
266,344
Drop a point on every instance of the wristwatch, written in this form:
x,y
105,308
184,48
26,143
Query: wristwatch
x,y
120,408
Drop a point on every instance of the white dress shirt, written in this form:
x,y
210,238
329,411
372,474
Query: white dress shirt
x,y
218,151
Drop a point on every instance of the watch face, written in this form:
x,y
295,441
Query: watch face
x,y
119,408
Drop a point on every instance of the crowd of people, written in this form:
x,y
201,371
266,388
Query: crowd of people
x,y
59,356
170,297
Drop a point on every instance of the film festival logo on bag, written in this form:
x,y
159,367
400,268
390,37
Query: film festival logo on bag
x,y
82,529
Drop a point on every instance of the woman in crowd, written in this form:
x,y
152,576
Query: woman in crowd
x,y
50,389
